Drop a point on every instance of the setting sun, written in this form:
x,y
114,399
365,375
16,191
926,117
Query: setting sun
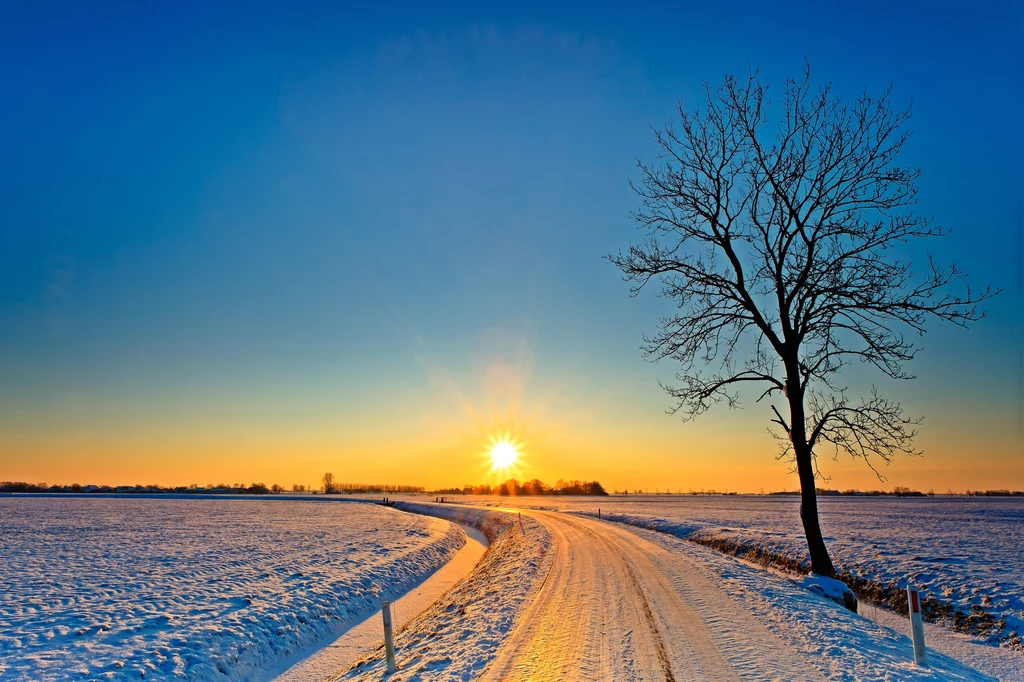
x,y
503,454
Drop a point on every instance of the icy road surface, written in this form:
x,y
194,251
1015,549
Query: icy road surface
x,y
616,606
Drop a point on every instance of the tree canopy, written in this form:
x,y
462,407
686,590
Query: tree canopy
x,y
777,230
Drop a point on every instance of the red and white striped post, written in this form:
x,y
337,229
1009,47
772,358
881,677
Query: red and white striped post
x,y
916,625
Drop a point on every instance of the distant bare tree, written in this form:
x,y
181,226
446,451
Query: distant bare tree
x,y
328,482
773,228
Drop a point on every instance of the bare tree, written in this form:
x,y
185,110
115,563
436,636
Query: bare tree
x,y
773,228
328,481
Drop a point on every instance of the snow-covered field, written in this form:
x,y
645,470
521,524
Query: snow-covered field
x,y
197,589
963,551
224,589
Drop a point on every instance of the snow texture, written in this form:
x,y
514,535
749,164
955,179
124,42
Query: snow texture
x,y
965,551
844,646
197,589
830,588
718,618
216,589
962,551
461,633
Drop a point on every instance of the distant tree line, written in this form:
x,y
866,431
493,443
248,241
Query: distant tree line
x,y
532,487
510,487
666,491
373,489
332,487
902,491
226,488
211,488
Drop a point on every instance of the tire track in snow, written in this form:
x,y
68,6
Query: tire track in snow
x,y
690,651
641,599
743,648
616,607
666,666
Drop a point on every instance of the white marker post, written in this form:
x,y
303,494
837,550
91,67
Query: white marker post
x,y
389,637
916,625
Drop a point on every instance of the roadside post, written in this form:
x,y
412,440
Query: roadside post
x,y
389,637
916,625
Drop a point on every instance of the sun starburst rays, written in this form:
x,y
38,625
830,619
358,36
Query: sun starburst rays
x,y
504,453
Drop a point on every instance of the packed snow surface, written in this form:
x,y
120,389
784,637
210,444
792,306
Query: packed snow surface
x,y
965,551
196,589
564,597
841,645
459,636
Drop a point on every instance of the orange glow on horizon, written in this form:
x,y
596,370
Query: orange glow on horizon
x,y
444,432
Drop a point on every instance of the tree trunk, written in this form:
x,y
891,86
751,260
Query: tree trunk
x,y
821,563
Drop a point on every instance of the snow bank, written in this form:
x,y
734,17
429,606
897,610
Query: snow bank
x,y
681,529
755,548
490,523
963,553
459,635
844,646
830,588
198,589
959,604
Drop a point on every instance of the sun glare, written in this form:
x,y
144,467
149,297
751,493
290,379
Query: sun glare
x,y
503,454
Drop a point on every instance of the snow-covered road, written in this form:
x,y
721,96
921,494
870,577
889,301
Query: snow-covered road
x,y
567,597
616,606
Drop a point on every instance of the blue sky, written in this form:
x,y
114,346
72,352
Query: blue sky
x,y
218,217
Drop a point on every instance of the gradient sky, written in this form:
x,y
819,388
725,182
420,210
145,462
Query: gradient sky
x,y
246,242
